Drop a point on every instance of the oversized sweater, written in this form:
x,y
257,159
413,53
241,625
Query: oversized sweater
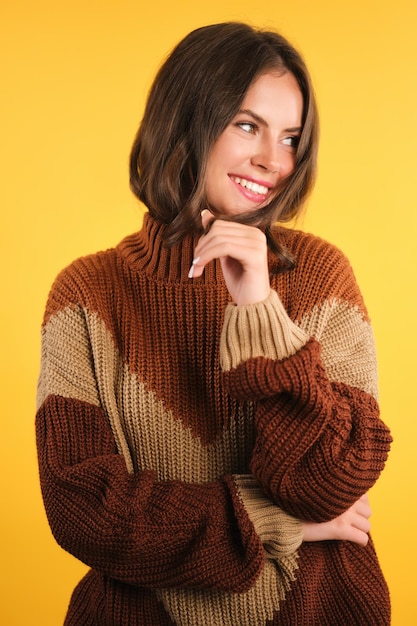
x,y
181,438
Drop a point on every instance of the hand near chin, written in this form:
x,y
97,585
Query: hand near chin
x,y
242,251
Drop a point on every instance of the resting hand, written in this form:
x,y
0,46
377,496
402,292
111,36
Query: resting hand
x,y
353,525
242,251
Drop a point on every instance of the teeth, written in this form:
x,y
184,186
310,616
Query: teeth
x,y
254,187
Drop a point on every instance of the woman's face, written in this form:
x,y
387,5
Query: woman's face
x,y
257,149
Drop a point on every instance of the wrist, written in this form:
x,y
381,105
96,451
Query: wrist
x,y
263,329
280,533
255,294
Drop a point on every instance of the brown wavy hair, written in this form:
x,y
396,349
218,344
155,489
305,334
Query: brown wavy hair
x,y
195,95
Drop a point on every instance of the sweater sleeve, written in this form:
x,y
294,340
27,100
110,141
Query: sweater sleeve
x,y
320,441
131,526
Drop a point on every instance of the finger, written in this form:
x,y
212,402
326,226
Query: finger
x,y
231,245
243,243
361,523
216,248
355,528
362,507
359,537
222,232
207,218
365,500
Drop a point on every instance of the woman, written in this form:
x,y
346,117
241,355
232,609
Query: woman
x,y
207,409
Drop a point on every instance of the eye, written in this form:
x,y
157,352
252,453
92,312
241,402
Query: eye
x,y
292,141
248,127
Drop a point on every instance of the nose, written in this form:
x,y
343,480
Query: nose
x,y
267,156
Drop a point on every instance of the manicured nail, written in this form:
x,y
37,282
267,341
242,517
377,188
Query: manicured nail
x,y
191,272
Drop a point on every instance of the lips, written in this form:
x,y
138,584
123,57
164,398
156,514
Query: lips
x,y
251,185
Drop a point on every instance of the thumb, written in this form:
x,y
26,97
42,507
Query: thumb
x,y
206,217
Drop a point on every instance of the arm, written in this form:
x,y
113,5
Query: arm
x,y
320,443
132,527
129,526
352,525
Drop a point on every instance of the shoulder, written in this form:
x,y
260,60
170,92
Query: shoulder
x,y
84,281
322,271
86,271
306,246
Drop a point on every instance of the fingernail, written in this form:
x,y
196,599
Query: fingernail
x,y
191,272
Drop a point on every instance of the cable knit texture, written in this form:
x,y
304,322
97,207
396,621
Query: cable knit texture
x,y
181,438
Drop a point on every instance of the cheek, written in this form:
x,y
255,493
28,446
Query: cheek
x,y
226,151
214,162
287,163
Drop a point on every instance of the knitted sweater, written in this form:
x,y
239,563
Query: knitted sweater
x,y
181,438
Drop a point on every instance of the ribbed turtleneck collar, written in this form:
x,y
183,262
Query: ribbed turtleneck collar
x,y
145,251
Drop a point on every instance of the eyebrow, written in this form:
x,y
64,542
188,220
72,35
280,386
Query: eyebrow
x,y
260,120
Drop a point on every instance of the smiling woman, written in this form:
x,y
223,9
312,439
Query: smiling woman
x,y
173,148
203,433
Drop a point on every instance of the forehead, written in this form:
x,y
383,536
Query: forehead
x,y
273,91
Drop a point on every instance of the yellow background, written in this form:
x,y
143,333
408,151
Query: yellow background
x,y
73,80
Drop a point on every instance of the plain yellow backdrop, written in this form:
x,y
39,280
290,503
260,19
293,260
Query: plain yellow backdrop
x,y
73,81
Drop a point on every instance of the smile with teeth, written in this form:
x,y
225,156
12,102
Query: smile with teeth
x,y
251,186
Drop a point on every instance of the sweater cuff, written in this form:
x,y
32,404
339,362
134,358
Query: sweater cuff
x,y
280,533
263,329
